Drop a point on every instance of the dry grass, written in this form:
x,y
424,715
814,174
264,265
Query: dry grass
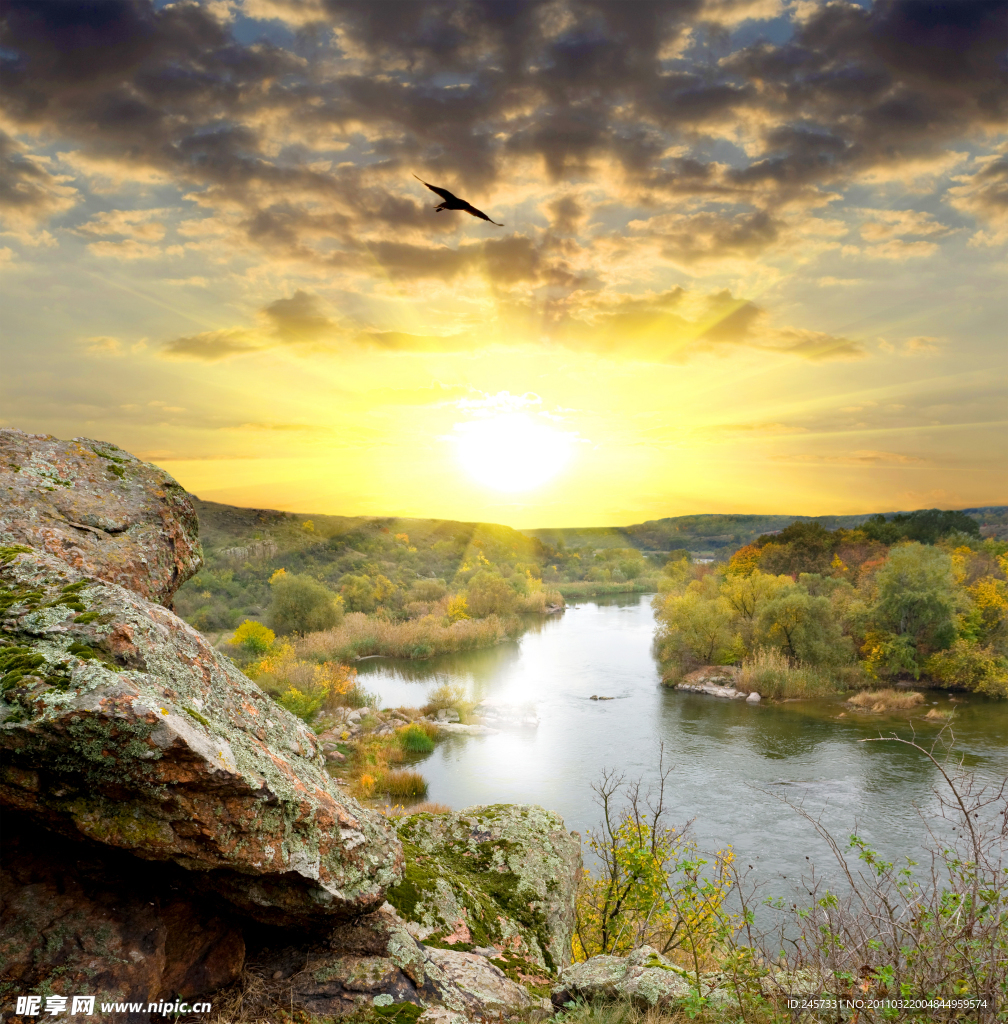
x,y
886,700
772,674
937,715
427,807
360,636
402,784
539,601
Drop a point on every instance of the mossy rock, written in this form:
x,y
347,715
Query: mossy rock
x,y
502,875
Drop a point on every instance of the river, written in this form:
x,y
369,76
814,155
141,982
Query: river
x,y
734,762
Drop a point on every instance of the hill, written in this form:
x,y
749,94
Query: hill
x,y
401,561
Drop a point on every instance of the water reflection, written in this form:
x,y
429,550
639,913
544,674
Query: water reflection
x,y
736,764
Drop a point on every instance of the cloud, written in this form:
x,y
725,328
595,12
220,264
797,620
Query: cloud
x,y
861,457
275,130
923,345
136,224
984,196
211,346
29,193
299,319
103,346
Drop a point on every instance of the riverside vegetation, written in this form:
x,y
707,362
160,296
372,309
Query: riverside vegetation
x,y
808,611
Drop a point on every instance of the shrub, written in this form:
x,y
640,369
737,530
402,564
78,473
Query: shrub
x,y
968,665
429,590
305,687
301,604
457,609
254,637
414,738
445,697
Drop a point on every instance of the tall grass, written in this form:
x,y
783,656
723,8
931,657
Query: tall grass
x,y
416,740
537,601
361,635
588,588
402,784
772,674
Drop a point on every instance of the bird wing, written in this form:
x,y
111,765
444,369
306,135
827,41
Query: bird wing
x,y
480,214
442,192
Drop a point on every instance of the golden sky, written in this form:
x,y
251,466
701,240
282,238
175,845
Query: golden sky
x,y
753,254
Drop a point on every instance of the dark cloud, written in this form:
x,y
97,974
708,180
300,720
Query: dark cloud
x,y
29,193
298,319
461,90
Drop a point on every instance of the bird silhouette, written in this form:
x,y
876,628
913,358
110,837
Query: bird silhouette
x,y
454,203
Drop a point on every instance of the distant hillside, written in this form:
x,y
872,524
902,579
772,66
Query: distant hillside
x,y
718,535
398,559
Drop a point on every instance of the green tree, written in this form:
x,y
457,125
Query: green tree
x,y
489,593
803,627
358,594
694,629
301,604
916,599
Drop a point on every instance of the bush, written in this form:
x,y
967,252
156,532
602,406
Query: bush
x,y
254,637
305,688
414,739
771,673
489,594
302,605
358,594
445,697
967,665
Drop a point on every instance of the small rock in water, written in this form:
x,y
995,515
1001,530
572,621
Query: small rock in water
x,y
753,698
594,696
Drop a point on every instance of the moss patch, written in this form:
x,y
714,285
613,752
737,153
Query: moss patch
x,y
195,714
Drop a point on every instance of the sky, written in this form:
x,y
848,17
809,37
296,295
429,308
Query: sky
x,y
753,253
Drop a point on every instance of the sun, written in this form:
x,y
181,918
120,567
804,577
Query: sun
x,y
512,451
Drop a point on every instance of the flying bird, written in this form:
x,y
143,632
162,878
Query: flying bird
x,y
454,203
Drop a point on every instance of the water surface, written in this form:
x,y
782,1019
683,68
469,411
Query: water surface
x,y
733,761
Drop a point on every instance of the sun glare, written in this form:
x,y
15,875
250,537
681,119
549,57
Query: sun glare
x,y
511,451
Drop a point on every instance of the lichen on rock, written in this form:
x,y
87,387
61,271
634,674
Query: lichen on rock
x,y
121,724
502,875
100,510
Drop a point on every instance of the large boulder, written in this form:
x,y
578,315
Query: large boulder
x,y
100,510
77,918
120,724
501,876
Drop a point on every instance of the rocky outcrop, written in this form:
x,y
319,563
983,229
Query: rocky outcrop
x,y
644,978
100,510
502,876
76,918
375,961
119,723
